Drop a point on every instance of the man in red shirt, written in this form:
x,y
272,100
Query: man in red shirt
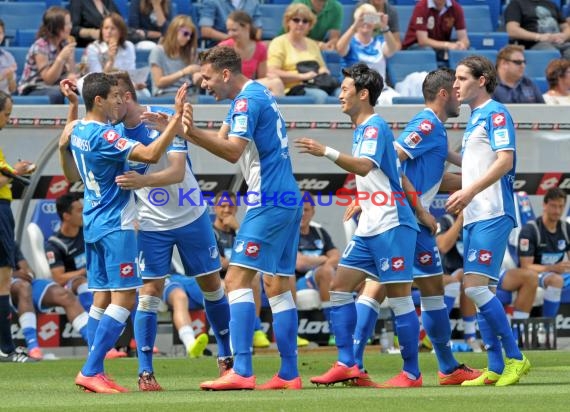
x,y
431,25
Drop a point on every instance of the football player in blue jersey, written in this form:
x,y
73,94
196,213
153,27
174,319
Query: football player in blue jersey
x,y
380,246
254,135
486,199
101,154
165,225
422,148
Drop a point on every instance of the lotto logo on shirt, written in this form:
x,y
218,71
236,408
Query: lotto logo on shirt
x,y
371,132
499,120
50,257
397,264
252,249
426,127
240,106
485,257
425,258
413,139
127,270
111,136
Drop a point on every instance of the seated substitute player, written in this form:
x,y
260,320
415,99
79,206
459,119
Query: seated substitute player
x,y
100,154
380,247
30,295
65,249
182,293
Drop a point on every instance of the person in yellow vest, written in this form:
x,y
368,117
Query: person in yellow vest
x,y
8,351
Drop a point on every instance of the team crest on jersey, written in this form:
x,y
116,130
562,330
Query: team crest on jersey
x,y
499,120
561,244
239,246
50,257
252,249
213,252
426,126
121,143
413,139
240,106
425,258
127,270
485,257
384,264
471,255
371,132
319,244
111,136
524,245
398,264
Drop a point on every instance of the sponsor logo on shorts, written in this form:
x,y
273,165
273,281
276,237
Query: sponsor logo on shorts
x,y
127,270
252,249
485,257
398,264
425,258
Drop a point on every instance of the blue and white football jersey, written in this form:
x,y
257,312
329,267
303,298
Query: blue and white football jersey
x,y
386,206
424,140
265,162
101,154
174,205
489,130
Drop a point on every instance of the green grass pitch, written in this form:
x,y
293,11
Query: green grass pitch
x,y
49,385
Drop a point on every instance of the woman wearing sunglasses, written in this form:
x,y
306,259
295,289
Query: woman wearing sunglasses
x,y
173,62
293,47
253,53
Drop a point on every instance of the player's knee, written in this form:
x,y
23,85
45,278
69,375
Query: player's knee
x,y
178,298
479,295
23,290
555,281
148,303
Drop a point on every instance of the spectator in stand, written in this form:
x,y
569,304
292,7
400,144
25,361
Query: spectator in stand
x,y
31,295
51,58
214,15
112,51
361,43
383,7
8,67
253,52
431,25
149,18
326,29
174,61
514,86
558,76
538,25
287,50
87,16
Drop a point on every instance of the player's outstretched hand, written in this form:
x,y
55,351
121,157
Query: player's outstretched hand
x,y
156,121
188,120
180,98
68,88
131,180
352,209
306,145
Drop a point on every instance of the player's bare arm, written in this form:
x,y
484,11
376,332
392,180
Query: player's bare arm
x,y
173,174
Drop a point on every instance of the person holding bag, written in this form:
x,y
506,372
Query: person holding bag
x,y
289,50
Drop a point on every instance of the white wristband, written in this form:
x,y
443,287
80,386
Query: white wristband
x,y
331,154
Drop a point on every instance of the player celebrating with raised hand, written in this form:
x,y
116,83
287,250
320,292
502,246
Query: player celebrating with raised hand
x,y
100,154
254,135
486,199
380,247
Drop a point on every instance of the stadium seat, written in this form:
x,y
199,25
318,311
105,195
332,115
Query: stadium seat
x,y
537,60
156,100
456,55
12,21
542,83
208,99
332,100
272,20
24,37
19,54
403,63
347,16
488,41
478,18
494,10
141,57
22,8
123,6
332,60
43,224
30,99
407,100
404,16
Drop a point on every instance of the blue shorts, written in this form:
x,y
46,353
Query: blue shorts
x,y
427,261
7,242
484,245
196,244
307,281
188,285
387,257
112,262
267,240
39,289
